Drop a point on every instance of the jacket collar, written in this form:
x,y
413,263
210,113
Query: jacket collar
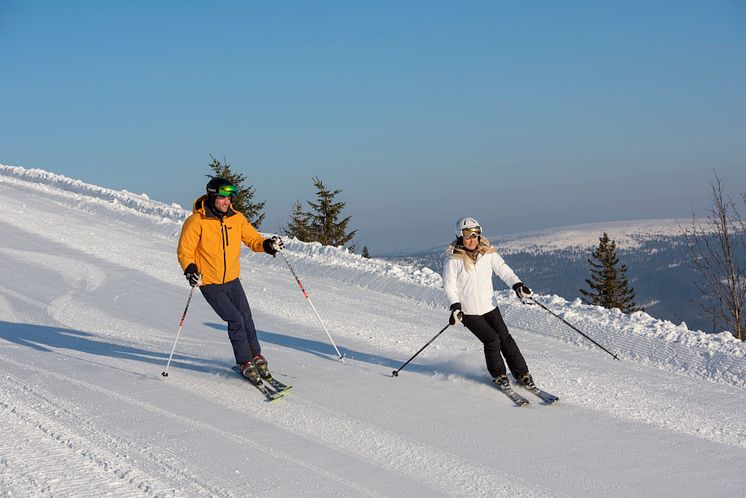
x,y
202,207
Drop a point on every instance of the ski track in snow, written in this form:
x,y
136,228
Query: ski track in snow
x,y
86,412
276,462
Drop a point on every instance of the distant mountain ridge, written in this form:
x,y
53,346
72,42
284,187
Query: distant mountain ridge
x,y
554,261
628,235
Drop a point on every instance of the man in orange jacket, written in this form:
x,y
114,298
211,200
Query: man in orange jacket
x,y
209,250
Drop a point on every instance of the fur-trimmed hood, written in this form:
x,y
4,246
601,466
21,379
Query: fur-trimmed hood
x,y
457,251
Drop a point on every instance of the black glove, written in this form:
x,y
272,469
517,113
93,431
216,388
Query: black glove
x,y
273,246
192,274
522,291
456,314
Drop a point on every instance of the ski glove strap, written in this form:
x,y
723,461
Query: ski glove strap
x,y
192,275
522,291
456,314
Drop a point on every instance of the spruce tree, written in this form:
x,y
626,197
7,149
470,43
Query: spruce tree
x,y
299,224
608,283
323,219
243,202
365,253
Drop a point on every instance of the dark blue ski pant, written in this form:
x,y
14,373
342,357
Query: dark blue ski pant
x,y
230,303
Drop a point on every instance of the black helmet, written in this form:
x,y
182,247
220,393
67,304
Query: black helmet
x,y
222,187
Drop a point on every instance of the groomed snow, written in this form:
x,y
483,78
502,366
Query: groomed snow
x,y
89,307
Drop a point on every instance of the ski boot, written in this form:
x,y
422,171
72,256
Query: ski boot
x,y
262,366
249,370
502,382
527,381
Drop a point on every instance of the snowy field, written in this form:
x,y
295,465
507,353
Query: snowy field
x,y
89,307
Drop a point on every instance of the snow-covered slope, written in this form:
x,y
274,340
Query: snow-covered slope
x,y
627,235
89,307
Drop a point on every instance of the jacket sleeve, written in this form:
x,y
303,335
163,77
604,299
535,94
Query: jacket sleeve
x,y
250,236
502,270
450,284
191,231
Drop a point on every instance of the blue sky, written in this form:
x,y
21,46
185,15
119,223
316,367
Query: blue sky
x,y
525,115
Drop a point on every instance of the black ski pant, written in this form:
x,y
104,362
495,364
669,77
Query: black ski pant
x,y
230,303
490,328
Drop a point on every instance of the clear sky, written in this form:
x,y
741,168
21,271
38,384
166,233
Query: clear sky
x,y
525,115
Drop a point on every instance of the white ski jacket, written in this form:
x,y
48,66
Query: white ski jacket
x,y
470,283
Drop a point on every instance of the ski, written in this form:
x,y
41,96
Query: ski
x,y
546,397
268,393
275,384
514,396
263,370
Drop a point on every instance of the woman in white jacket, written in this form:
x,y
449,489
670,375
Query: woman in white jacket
x,y
467,280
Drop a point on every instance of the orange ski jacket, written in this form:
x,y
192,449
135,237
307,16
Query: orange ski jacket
x,y
213,243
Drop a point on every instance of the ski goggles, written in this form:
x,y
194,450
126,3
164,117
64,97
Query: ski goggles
x,y
468,233
227,191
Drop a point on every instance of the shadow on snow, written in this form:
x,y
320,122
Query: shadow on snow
x,y
52,339
323,349
49,339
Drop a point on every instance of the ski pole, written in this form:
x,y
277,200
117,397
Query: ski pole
x,y
300,284
574,328
395,373
181,324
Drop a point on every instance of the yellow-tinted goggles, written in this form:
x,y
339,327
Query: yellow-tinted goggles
x,y
471,232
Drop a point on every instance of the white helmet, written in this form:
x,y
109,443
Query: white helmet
x,y
465,223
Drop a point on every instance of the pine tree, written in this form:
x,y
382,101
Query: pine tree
x,y
243,202
608,284
365,253
322,219
299,224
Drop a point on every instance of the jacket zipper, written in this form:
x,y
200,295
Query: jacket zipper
x,y
224,233
479,294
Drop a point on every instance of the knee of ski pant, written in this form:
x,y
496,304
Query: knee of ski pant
x,y
235,324
492,345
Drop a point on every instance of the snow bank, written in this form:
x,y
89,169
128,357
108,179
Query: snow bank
x,y
138,209
641,338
